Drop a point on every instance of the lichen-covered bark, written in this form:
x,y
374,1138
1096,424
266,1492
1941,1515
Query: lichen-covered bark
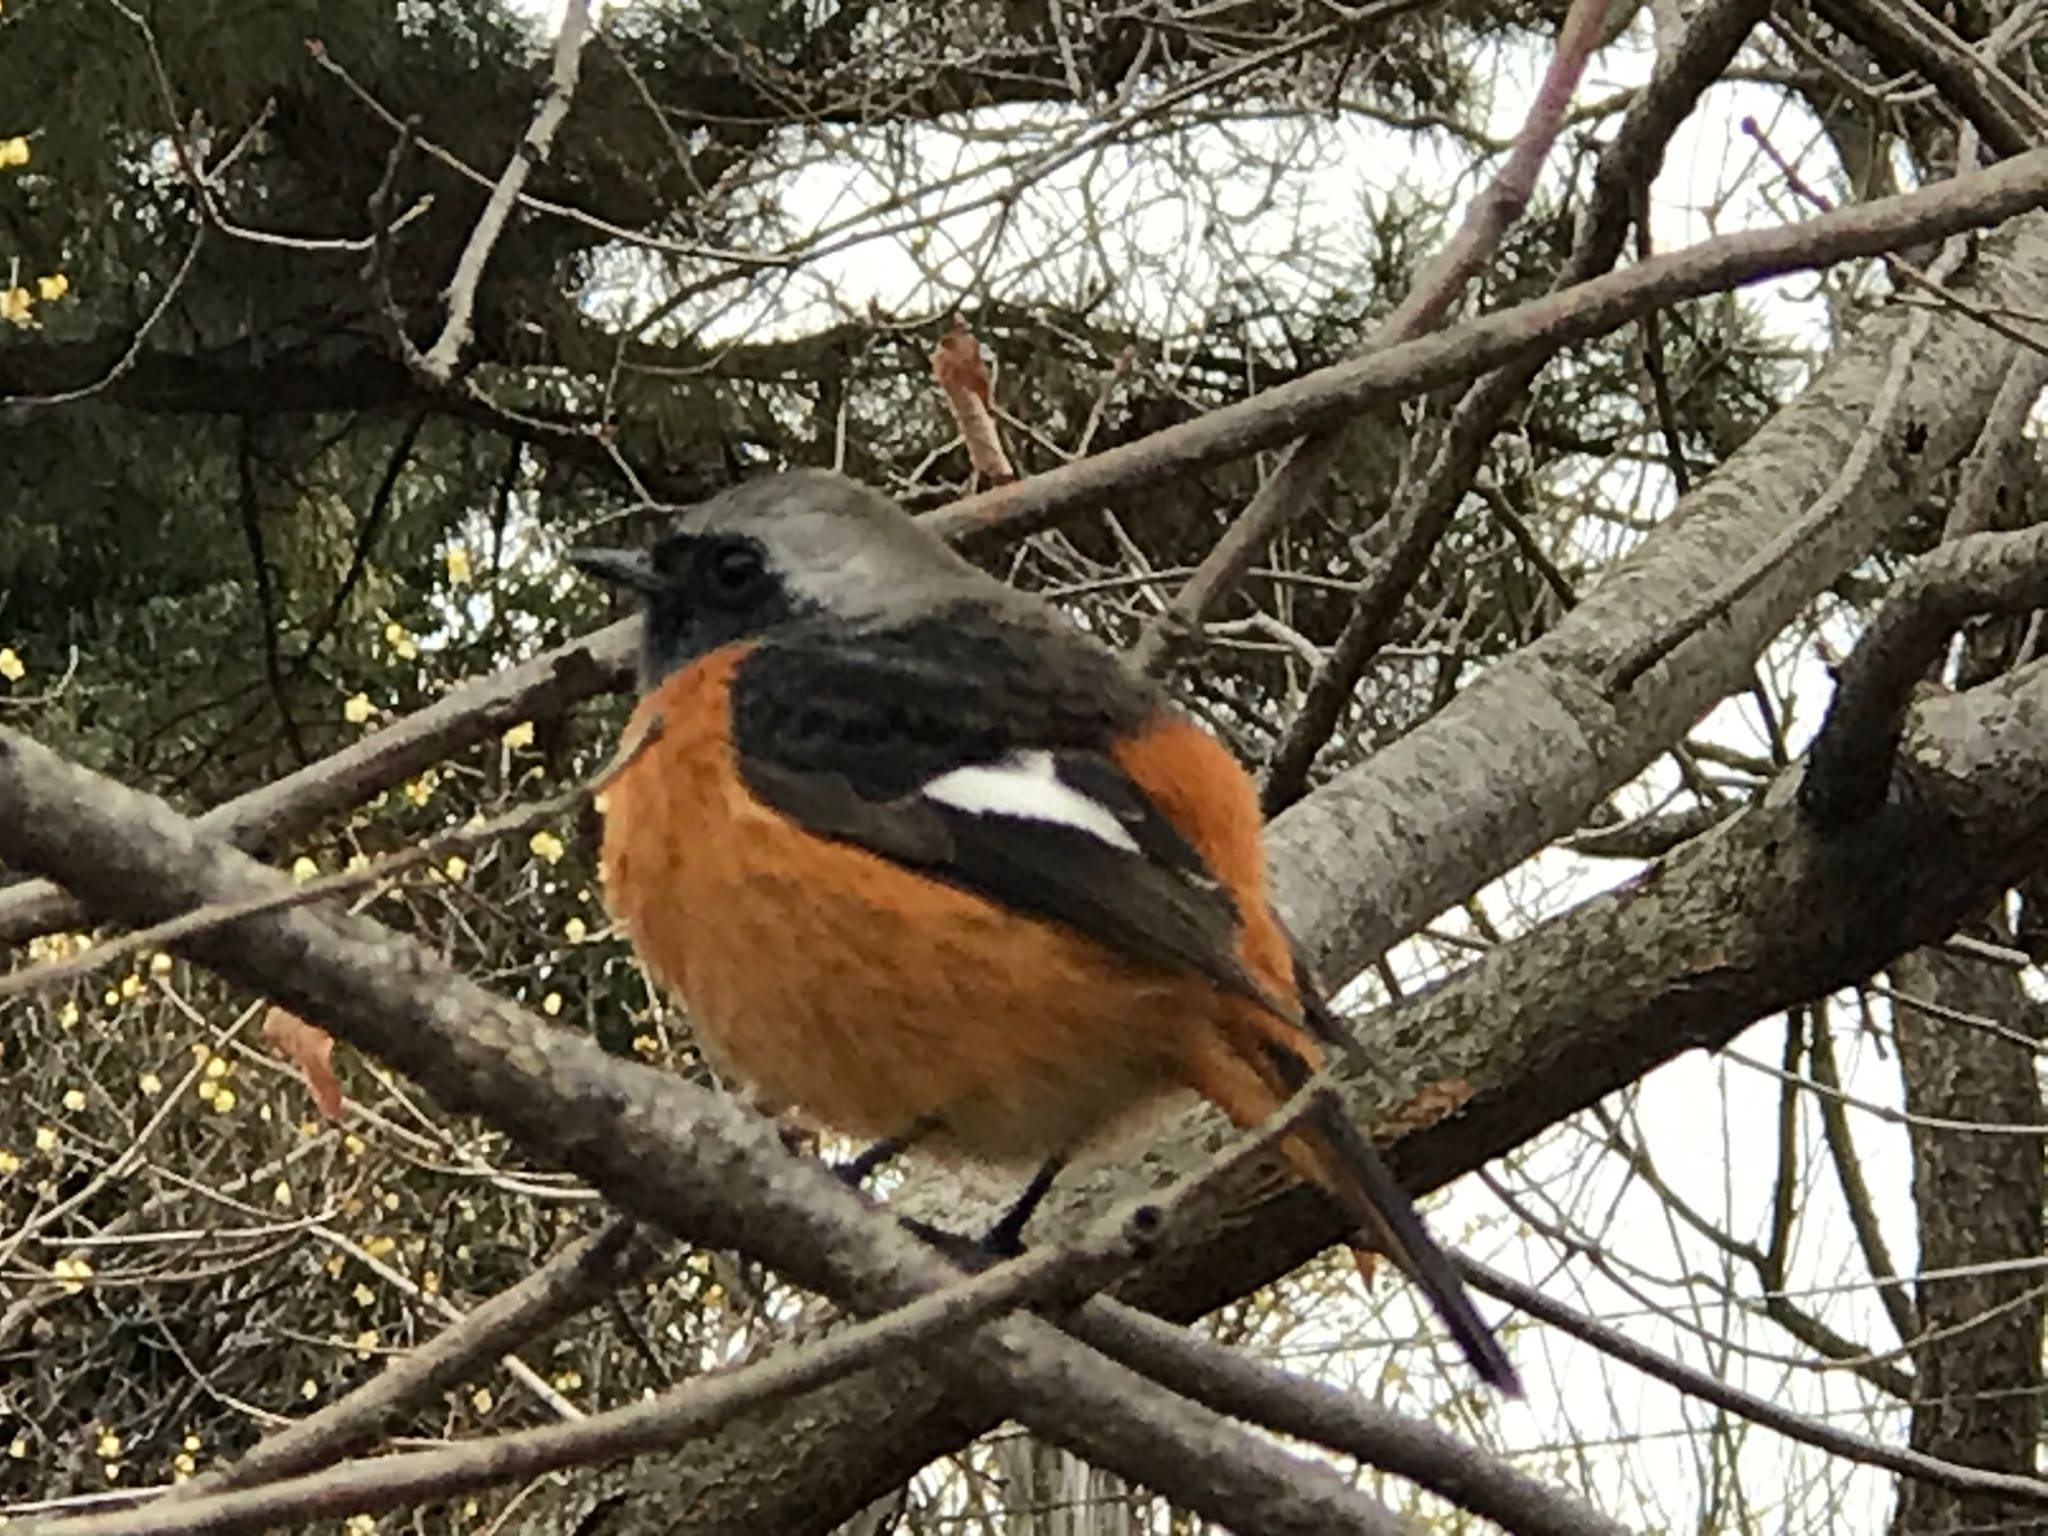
x,y
1519,756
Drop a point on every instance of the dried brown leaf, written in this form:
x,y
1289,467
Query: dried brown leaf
x,y
963,378
311,1049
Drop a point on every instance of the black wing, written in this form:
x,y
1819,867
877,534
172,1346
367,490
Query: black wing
x,y
846,733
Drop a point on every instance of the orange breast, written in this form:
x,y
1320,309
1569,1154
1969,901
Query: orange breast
x,y
844,988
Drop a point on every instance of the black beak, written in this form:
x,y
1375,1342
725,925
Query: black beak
x,y
628,568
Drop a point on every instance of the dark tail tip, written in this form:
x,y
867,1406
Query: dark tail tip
x,y
1382,1210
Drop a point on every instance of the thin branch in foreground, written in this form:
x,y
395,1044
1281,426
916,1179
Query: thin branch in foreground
x,y
1771,1415
1850,767
441,358
1291,487
577,1277
1536,329
270,815
168,933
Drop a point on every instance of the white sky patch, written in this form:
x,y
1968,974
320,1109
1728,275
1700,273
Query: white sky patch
x,y
1027,785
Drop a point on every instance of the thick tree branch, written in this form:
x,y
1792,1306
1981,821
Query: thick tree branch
x,y
1234,1383
1853,755
1350,868
1909,39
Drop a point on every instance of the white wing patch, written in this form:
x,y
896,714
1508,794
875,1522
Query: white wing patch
x,y
1027,785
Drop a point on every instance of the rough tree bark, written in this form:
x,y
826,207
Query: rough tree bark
x,y
1977,1199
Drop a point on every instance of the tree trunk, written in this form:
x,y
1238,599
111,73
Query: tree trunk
x,y
1977,1196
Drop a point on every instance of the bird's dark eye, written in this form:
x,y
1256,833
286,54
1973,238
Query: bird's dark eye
x,y
732,570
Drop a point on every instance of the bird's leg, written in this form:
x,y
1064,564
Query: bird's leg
x,y
1006,1238
862,1167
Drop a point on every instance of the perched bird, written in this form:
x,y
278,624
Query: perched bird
x,y
926,862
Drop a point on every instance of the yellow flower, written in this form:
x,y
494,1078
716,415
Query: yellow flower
x,y
396,637
482,1398
182,1466
67,1016
18,1447
17,306
574,930
71,1275
150,1084
361,1525
457,866
160,964
420,790
365,1297
304,869
282,1193
378,1245
551,1004
206,1090
108,1446
53,287
223,1101
10,665
546,845
46,1138
366,1343
353,1145
74,1099
131,985
430,1282
358,709
458,564
519,736
9,1163
646,1045
13,151
219,1066
192,1444
309,1389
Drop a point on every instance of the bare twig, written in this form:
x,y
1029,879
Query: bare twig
x,y
1711,1389
1537,328
270,815
1912,39
442,357
1301,473
573,1279
1424,507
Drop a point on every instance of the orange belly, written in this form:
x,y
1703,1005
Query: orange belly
x,y
844,989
